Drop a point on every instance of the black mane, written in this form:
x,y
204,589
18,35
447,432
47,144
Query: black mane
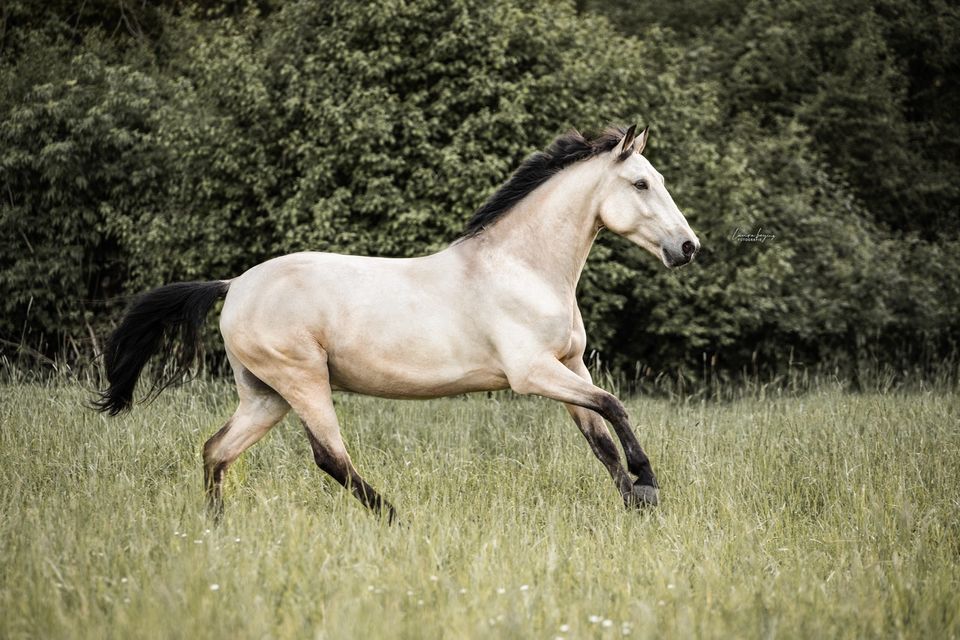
x,y
537,169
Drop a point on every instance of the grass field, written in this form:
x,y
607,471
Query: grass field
x,y
824,516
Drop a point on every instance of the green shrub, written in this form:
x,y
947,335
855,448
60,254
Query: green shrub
x,y
378,128
77,149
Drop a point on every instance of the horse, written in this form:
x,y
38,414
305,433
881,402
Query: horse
x,y
496,309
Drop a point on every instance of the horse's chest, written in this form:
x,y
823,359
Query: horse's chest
x,y
532,330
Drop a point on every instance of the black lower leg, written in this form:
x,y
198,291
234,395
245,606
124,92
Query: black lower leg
x,y
605,450
342,471
637,461
213,470
369,497
213,486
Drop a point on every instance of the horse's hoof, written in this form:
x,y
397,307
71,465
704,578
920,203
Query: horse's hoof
x,y
644,495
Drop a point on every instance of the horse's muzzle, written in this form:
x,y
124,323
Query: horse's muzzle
x,y
682,255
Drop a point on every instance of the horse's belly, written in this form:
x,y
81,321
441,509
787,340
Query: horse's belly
x,y
412,378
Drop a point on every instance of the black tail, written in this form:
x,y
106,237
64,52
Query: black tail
x,y
151,323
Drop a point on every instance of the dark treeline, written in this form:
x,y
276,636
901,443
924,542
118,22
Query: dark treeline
x,y
143,143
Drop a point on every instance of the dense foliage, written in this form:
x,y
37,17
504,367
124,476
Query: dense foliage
x,y
193,140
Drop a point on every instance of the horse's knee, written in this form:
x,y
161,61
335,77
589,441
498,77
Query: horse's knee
x,y
611,408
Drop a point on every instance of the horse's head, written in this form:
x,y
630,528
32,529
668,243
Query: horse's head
x,y
635,203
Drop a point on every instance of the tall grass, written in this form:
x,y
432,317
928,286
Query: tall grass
x,y
821,515
871,373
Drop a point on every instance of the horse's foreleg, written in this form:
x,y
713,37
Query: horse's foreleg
x,y
592,427
254,417
550,378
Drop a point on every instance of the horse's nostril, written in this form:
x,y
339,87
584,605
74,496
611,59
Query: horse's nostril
x,y
688,249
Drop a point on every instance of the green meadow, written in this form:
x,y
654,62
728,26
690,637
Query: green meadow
x,y
825,515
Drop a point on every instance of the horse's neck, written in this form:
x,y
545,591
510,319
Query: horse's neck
x,y
552,229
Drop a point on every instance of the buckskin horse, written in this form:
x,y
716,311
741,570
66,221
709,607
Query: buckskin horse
x,y
496,309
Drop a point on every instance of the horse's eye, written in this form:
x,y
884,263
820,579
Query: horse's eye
x,y
641,185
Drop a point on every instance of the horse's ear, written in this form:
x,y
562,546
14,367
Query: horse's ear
x,y
642,139
625,148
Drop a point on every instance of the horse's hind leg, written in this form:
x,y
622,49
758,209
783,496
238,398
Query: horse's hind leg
x,y
259,410
330,455
312,399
